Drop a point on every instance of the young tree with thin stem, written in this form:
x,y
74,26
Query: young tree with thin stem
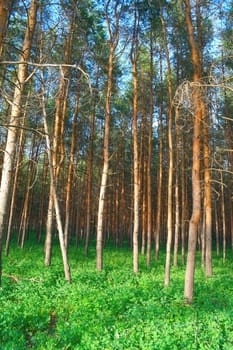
x,y
170,152
149,161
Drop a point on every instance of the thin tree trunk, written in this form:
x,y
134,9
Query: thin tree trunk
x,y
42,199
170,168
113,42
14,120
223,217
208,203
183,201
143,179
149,161
217,230
136,171
89,173
136,197
54,195
160,174
177,208
19,156
70,171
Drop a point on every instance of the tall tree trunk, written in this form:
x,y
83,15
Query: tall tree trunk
x,y
113,42
90,170
149,161
14,121
160,173
207,176
196,188
136,197
143,179
170,168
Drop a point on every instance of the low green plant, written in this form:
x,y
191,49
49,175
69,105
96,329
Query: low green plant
x,y
113,309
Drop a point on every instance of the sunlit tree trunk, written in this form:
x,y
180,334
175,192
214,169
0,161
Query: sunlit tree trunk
x,y
170,167
14,120
113,42
196,188
207,177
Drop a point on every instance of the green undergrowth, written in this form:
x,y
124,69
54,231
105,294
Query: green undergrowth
x,y
113,309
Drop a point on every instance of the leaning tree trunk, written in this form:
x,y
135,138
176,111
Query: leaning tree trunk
x,y
54,194
14,120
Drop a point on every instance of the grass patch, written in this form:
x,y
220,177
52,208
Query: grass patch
x,y
114,309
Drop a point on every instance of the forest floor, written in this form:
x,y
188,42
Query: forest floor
x,y
114,309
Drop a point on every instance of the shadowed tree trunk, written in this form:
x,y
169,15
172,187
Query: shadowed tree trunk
x,y
177,208
90,169
5,9
149,162
136,197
